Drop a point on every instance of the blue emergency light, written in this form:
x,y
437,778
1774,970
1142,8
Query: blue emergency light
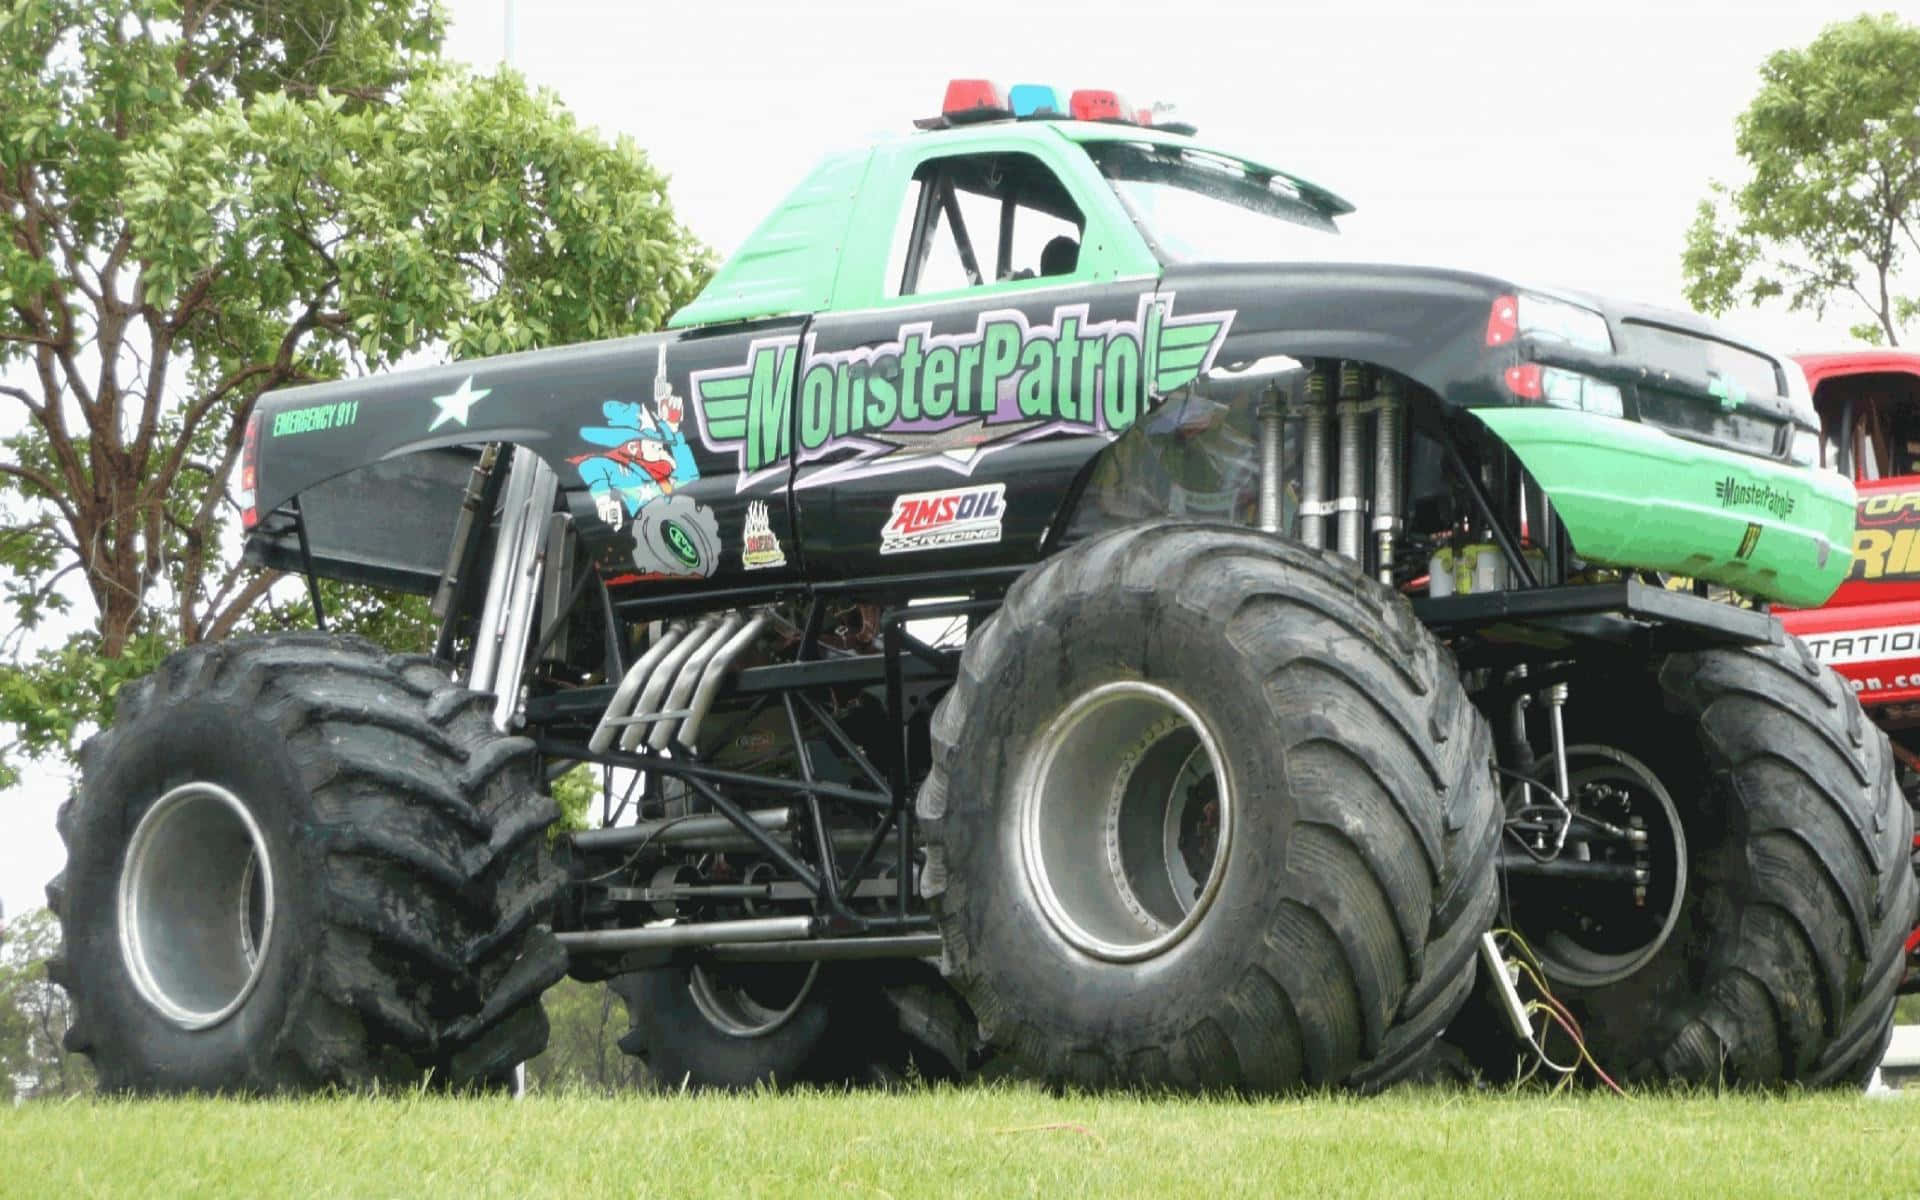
x,y
1035,100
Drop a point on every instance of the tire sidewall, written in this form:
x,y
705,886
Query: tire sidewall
x,y
201,740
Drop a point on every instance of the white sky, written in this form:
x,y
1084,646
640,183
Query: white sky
x,y
1560,143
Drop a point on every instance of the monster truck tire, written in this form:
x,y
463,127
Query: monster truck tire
x,y
741,1026
296,862
1790,940
676,536
1336,934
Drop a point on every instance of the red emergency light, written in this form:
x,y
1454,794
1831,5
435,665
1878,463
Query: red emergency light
x,y
974,100
1090,104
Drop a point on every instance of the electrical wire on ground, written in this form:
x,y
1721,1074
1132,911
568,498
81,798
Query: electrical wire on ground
x,y
1555,1014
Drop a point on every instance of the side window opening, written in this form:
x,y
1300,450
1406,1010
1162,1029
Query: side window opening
x,y
981,219
1871,425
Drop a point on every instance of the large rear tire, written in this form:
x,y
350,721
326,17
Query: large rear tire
x,y
1789,942
296,862
743,1026
730,1028
1209,810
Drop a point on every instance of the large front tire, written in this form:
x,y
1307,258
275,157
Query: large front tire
x,y
297,862
1209,810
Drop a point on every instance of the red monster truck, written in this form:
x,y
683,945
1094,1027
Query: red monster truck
x,y
1869,630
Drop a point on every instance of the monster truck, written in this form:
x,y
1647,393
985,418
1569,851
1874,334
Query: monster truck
x,y
1869,406
1037,599
1869,631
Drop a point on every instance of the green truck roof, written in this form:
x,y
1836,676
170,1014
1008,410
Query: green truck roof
x,y
825,246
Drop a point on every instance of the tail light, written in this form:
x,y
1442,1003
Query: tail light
x,y
249,471
1564,389
1503,323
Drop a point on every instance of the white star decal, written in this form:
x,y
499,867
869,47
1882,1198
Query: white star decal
x,y
458,405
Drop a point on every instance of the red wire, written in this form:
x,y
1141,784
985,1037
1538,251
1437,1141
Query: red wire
x,y
1581,1044
1573,1026
1540,987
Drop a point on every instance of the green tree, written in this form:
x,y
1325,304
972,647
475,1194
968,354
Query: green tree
x,y
207,199
1830,211
34,1014
575,793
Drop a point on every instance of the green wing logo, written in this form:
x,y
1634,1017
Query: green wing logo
x,y
1182,349
951,397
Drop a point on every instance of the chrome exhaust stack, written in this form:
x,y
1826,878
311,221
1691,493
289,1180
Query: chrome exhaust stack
x,y
669,690
621,706
647,709
691,671
709,685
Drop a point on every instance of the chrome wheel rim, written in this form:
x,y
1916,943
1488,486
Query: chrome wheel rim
x,y
1593,937
1126,815
196,905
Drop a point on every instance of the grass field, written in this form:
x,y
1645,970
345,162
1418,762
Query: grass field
x,y
1003,1141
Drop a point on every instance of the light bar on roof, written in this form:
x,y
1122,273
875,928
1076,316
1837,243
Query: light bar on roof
x,y
973,100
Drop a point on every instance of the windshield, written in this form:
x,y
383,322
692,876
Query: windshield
x,y
1199,207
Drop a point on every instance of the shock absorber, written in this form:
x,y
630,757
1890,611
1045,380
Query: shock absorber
x,y
1386,475
1313,464
1272,417
1556,708
1352,417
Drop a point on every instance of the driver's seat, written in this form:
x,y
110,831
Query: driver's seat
x,y
1060,256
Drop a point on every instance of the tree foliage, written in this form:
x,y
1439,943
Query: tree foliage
x,y
1831,209
574,793
34,1014
208,199
583,1046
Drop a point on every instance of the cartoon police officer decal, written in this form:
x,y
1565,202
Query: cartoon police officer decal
x,y
639,475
